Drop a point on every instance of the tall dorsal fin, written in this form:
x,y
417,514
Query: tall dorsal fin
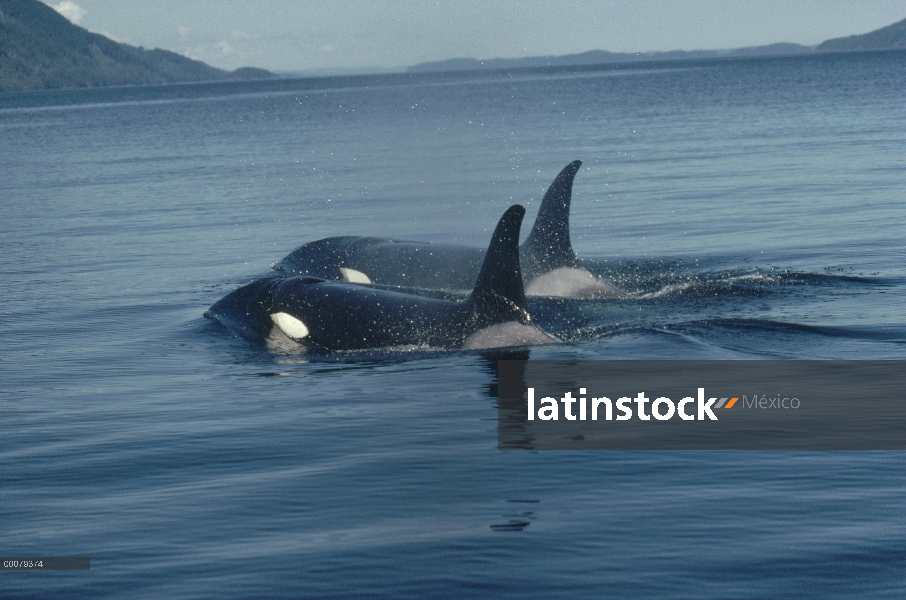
x,y
548,246
499,295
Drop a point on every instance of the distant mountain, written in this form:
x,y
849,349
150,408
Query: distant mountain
x,y
598,57
887,38
890,37
39,49
340,72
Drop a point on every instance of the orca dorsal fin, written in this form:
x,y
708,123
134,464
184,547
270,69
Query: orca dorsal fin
x,y
548,246
499,294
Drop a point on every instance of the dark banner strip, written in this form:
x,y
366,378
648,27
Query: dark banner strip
x,y
702,405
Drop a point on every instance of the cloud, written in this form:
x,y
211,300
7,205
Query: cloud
x,y
224,47
183,32
242,36
70,10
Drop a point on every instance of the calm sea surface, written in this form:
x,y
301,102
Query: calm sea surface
x,y
754,208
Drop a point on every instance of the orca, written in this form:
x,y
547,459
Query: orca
x,y
549,264
334,315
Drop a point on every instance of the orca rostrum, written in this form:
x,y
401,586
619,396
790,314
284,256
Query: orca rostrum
x,y
550,266
337,315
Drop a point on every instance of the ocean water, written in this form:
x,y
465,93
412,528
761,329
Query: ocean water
x,y
752,208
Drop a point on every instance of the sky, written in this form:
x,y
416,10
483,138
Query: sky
x,y
302,35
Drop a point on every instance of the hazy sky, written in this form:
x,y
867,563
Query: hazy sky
x,y
296,35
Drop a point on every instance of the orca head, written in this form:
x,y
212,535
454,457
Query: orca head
x,y
245,310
